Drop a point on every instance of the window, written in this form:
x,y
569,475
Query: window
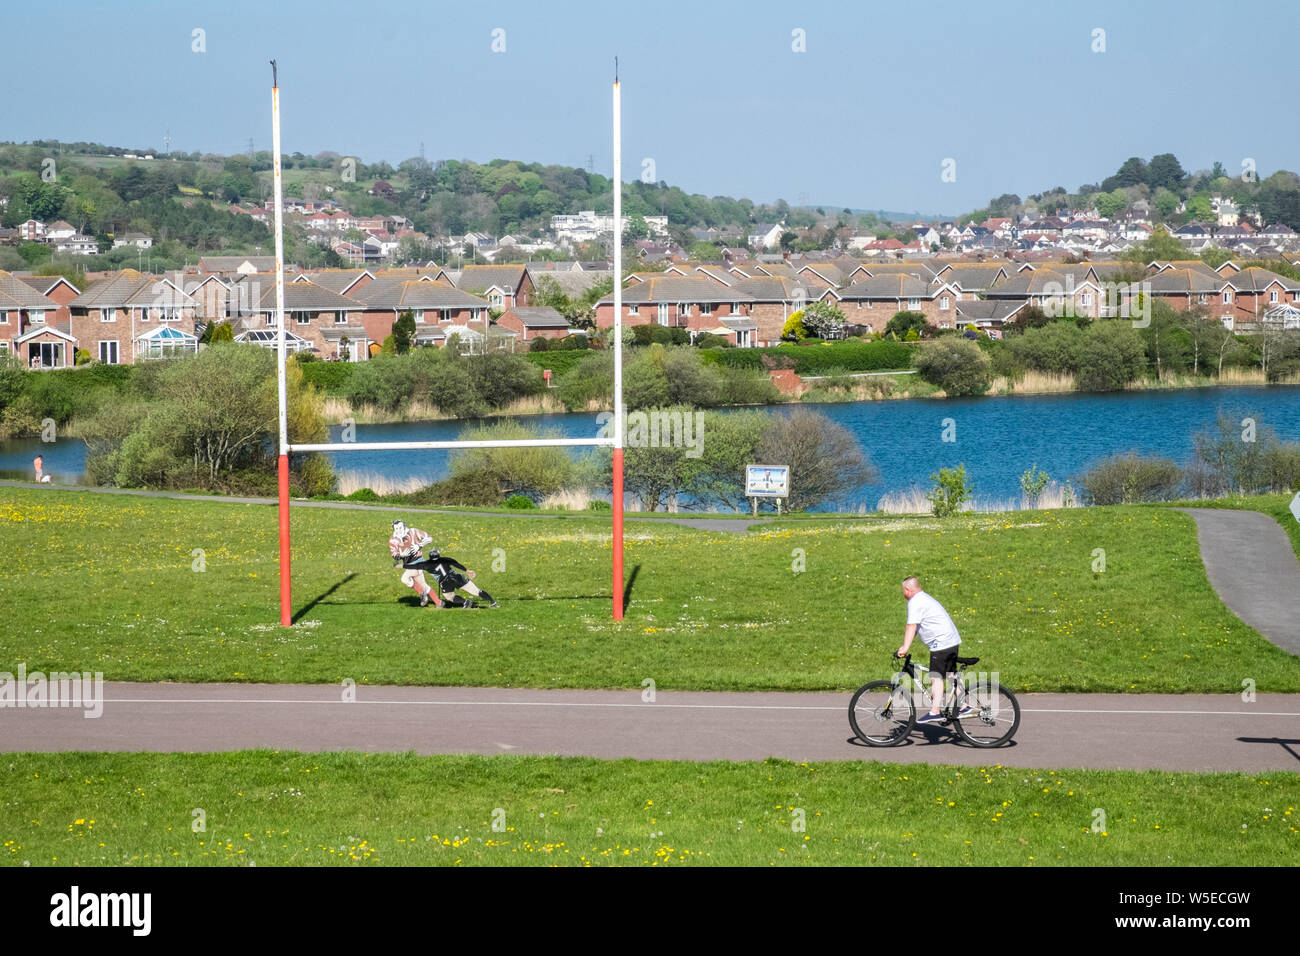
x,y
683,309
632,312
108,352
913,303
1202,299
1272,295
108,315
706,308
418,314
859,303
1227,297
497,300
1085,298
340,318
302,318
4,318
37,316
735,308
663,313
144,314
943,303
270,319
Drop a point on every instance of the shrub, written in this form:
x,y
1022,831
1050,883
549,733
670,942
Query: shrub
x,y
1129,478
589,381
956,365
81,357
598,505
1242,457
824,458
363,494
1112,354
1050,348
540,470
539,344
951,490
520,502
823,319
793,330
904,322
1032,483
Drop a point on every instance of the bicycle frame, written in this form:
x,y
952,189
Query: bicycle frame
x,y
921,696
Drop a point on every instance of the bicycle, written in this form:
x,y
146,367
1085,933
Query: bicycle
x,y
883,713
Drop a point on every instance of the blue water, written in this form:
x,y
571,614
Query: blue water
x,y
996,438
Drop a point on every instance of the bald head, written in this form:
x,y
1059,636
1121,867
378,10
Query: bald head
x,y
911,586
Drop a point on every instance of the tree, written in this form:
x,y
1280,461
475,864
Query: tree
x,y
1111,356
904,322
1108,204
1164,171
950,492
1130,173
824,458
956,365
404,332
534,471
1160,246
793,330
787,241
1199,208
1215,256
1166,202
822,319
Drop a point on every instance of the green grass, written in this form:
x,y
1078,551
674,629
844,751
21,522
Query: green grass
x,y
272,808
1277,507
105,582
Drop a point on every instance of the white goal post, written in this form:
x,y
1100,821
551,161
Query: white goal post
x,y
614,441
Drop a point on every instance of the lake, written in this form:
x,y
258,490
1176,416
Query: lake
x,y
996,438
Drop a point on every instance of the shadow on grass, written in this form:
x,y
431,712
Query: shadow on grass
x,y
627,589
321,597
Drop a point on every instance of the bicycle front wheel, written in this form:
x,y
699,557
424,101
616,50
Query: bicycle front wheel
x,y
994,716
882,713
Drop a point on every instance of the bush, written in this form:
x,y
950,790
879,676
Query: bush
x,y
1051,348
1239,456
824,458
1130,478
956,365
332,378
520,502
814,360
590,381
951,490
538,471
793,330
904,322
81,357
363,494
1112,355
539,344
598,505
823,319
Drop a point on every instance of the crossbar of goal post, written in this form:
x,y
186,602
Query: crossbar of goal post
x,y
286,447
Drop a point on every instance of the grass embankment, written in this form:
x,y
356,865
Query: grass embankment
x,y
272,808
111,583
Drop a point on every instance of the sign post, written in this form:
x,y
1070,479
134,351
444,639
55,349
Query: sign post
x,y
767,481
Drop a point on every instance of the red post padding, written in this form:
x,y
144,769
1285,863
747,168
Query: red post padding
x,y
618,534
286,596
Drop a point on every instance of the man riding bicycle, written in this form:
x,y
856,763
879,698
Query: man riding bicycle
x,y
927,617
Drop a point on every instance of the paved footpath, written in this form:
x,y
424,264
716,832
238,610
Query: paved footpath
x,y
1190,732
1252,566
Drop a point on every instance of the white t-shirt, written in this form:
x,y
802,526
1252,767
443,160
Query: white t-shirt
x,y
933,624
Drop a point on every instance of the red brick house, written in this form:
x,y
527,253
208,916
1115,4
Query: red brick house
x,y
504,287
24,314
329,321
116,317
534,322
873,302
698,304
434,305
58,289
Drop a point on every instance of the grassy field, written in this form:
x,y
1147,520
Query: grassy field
x,y
113,583
272,808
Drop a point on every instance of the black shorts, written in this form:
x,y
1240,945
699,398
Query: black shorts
x,y
944,662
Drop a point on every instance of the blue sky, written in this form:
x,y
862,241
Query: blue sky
x,y
715,94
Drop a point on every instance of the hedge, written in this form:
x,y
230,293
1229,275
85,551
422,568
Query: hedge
x,y
559,362
332,378
812,359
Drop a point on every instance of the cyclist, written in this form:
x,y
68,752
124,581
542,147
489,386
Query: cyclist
x,y
926,617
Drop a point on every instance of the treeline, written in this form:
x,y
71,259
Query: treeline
x,y
1172,194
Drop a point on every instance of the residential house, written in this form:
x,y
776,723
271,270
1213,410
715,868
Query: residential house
x,y
534,322
28,327
117,318
873,302
696,304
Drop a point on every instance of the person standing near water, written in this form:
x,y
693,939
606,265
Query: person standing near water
x,y
39,465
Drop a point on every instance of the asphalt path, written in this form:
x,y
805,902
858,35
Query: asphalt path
x,y
1121,731
1253,568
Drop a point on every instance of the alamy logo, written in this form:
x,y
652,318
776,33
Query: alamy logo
x,y
58,689
658,429
75,908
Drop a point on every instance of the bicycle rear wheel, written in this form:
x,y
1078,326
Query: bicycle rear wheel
x,y
882,713
994,717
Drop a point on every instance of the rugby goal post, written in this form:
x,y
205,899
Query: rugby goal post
x,y
614,441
